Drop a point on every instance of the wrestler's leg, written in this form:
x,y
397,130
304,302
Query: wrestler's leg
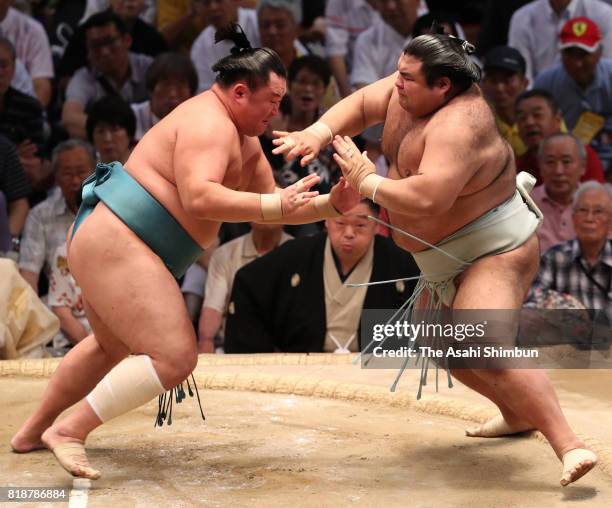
x,y
528,393
133,294
89,361
510,422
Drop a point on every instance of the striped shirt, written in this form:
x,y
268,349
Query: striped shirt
x,y
21,118
14,183
564,269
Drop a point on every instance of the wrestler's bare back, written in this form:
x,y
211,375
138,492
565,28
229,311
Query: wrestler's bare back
x,y
153,160
404,140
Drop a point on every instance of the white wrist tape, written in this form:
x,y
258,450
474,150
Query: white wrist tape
x,y
271,206
129,385
325,208
322,131
369,186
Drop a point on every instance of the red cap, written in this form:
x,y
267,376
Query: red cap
x,y
580,33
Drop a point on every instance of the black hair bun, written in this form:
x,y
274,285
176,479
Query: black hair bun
x,y
235,34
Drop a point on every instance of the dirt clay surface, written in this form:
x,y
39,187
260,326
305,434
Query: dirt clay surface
x,y
287,450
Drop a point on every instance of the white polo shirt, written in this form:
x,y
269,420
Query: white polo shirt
x,y
377,51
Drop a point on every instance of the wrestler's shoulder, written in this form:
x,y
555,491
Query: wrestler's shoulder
x,y
202,115
471,113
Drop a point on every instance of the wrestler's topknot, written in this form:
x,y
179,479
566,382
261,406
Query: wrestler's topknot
x,y
233,33
245,63
445,55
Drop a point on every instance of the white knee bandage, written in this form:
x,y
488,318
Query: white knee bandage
x,y
129,385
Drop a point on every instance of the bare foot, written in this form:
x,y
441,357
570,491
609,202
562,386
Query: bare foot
x,y
70,453
498,427
24,443
577,463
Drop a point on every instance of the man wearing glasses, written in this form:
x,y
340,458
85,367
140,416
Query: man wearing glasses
x,y
582,267
112,70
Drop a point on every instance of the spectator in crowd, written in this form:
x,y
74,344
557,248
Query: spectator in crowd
x,y
537,117
535,27
279,22
170,80
111,126
582,267
225,261
204,52
145,38
21,115
582,85
14,190
181,21
308,78
147,9
376,48
66,303
32,47
562,160
113,70
21,120
48,222
345,20
295,298
504,80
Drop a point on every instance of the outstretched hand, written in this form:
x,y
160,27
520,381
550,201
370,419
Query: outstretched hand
x,y
298,143
298,194
355,165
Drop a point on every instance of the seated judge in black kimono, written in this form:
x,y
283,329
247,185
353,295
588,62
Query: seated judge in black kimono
x,y
294,299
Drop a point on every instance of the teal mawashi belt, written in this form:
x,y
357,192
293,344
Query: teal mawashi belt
x,y
142,213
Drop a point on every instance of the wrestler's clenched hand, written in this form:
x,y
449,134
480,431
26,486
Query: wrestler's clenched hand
x,y
355,165
299,193
343,197
299,143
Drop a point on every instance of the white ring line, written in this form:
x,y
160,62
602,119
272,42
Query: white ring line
x,y
80,493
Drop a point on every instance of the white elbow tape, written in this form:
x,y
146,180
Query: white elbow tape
x,y
130,384
325,208
322,131
271,206
369,186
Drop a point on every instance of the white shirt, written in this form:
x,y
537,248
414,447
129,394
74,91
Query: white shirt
x,y
145,118
148,14
345,20
205,53
30,41
45,230
535,28
22,80
377,51
344,305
